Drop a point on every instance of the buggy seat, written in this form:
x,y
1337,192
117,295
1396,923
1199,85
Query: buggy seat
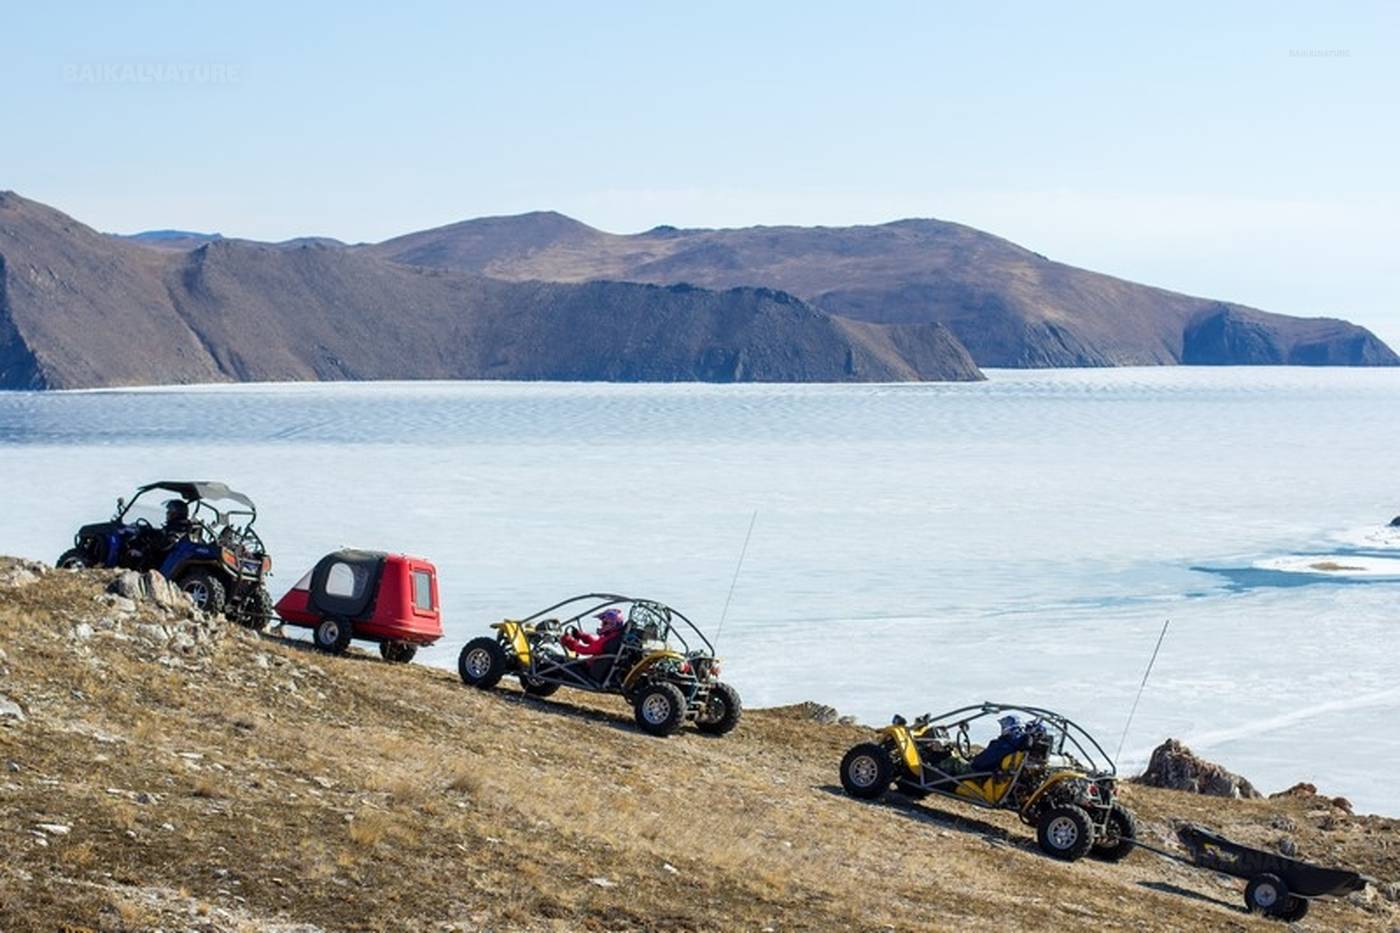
x,y
993,787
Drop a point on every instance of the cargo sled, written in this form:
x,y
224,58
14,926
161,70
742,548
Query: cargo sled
x,y
391,599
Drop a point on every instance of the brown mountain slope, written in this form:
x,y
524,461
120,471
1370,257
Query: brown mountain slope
x,y
79,309
1008,305
176,773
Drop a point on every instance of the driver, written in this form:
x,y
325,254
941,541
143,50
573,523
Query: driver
x,y
610,623
1014,738
177,521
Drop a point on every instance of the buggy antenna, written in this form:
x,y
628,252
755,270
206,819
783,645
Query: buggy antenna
x,y
743,552
1141,687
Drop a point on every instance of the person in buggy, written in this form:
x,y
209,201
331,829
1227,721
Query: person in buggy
x,y
610,626
1013,738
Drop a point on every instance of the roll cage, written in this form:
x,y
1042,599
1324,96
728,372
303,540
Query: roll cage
x,y
222,526
650,627
1070,742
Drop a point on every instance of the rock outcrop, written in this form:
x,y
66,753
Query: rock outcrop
x,y
1176,767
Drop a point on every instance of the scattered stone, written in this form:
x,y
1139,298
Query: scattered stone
x,y
1176,767
1286,846
1284,823
669,868
9,709
82,631
817,712
603,882
54,829
168,827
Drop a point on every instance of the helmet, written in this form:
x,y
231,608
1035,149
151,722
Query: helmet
x,y
611,619
1009,723
176,510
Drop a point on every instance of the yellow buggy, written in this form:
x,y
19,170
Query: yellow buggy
x,y
656,658
1059,780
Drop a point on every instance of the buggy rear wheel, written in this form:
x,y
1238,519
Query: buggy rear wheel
x,y
1117,843
397,652
537,688
205,590
660,708
721,712
333,635
73,559
1266,894
1065,832
482,663
866,771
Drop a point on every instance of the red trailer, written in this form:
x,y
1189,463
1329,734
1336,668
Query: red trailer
x,y
391,599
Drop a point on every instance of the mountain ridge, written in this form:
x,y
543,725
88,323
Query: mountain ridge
x,y
83,309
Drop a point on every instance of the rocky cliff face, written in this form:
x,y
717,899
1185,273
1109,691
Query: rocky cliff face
x,y
80,309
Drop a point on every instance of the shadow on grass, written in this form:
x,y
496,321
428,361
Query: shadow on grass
x,y
1165,887
925,812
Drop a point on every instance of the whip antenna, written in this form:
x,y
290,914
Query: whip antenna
x,y
732,583
1141,687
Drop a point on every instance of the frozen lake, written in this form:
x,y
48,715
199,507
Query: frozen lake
x,y
917,547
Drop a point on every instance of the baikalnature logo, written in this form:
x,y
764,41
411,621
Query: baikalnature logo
x,y
152,73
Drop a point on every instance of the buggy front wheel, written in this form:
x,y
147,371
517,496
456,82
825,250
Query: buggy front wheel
x,y
482,663
721,712
1117,842
1065,832
660,708
866,771
333,635
73,559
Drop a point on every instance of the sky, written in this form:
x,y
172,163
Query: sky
x,y
1241,151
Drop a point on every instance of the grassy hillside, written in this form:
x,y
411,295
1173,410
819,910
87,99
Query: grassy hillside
x,y
174,772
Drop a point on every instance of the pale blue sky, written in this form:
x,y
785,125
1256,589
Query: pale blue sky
x,y
1246,153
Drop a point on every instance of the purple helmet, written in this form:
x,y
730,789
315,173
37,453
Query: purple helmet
x,y
611,618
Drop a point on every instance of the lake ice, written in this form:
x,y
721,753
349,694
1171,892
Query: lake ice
x,y
917,547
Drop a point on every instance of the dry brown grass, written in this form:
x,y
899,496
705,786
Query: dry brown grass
x,y
491,811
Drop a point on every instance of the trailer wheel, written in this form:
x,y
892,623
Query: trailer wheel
x,y
866,771
1293,910
397,652
1266,894
73,559
482,663
660,708
1118,843
205,590
537,688
333,635
721,712
1065,833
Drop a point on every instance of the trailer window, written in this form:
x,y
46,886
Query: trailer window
x,y
422,590
341,581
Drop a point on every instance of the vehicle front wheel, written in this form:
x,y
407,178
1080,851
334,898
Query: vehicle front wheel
x,y
397,652
660,708
333,635
482,663
721,712
1117,843
1266,894
205,590
73,559
537,688
1065,832
866,771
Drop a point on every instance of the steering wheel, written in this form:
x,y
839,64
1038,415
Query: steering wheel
x,y
573,628
141,523
963,743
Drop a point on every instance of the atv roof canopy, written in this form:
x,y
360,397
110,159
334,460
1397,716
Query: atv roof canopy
x,y
200,489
